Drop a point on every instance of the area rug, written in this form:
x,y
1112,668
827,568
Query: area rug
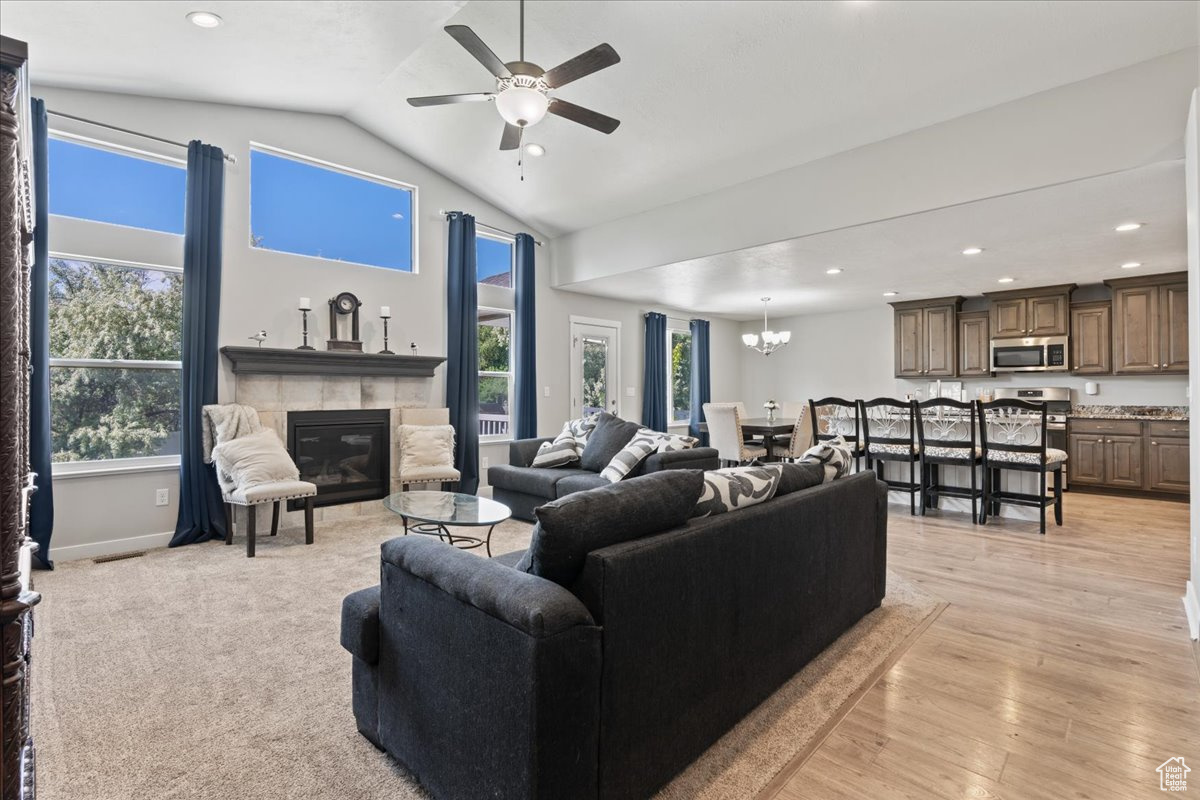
x,y
197,673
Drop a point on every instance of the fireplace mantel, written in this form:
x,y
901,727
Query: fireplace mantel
x,y
282,361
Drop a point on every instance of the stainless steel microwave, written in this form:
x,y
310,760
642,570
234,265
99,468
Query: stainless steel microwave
x,y
1030,354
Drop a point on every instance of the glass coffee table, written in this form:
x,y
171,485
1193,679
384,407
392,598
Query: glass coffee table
x,y
431,513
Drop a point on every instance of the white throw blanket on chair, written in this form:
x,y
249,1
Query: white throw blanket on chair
x,y
223,423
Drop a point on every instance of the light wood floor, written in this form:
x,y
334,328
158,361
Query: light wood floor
x,y
1061,669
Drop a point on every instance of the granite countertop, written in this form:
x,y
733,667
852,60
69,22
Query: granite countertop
x,y
1179,413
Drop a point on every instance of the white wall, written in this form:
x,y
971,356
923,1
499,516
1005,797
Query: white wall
x,y
1063,134
260,287
1191,598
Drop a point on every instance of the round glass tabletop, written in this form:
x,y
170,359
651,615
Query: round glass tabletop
x,y
447,508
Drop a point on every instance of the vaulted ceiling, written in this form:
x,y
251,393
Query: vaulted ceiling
x,y
709,93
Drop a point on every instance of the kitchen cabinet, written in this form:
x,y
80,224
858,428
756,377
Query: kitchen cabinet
x,y
1091,338
1135,455
974,345
1149,324
1043,311
1168,458
926,338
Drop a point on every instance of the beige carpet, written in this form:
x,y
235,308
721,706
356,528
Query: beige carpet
x,y
199,674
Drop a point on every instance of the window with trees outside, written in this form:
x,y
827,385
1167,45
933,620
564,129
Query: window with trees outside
x,y
313,208
115,339
679,381
495,374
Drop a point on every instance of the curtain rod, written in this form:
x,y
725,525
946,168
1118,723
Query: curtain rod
x,y
86,121
492,228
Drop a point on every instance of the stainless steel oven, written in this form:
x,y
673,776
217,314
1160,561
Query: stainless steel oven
x,y
1030,354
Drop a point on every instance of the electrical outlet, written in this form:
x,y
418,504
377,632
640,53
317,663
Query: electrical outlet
x,y
162,497
546,392
486,460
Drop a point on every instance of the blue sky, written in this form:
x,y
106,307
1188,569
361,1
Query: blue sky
x,y
101,185
492,257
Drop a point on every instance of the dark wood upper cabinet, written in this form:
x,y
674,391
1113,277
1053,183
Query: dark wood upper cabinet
x,y
926,338
974,345
1091,338
1149,321
1042,311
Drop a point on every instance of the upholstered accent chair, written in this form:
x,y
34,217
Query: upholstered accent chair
x,y
1013,434
890,434
725,434
230,422
800,439
949,436
421,465
832,417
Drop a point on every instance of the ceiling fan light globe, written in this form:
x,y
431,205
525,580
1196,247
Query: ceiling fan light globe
x,y
522,106
749,339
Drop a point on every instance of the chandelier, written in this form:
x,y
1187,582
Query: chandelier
x,y
771,340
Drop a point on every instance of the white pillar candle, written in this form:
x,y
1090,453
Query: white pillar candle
x,y
305,304
385,311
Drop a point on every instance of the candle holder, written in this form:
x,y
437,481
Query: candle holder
x,y
385,351
305,346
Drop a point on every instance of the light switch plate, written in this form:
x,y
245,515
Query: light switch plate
x,y
546,392
629,391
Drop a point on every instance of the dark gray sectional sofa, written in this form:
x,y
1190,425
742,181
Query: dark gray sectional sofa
x,y
485,681
523,488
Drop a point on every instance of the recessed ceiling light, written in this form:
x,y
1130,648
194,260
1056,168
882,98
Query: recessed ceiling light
x,y
1125,227
834,271
1131,265
1005,280
204,19
890,294
972,251
535,150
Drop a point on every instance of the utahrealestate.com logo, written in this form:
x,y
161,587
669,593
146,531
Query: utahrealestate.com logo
x,y
1172,775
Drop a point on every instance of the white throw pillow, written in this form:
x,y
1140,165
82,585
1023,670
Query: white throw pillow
x,y
736,488
426,446
643,443
833,454
255,459
670,442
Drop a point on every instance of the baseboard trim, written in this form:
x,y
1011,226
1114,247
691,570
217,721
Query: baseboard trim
x,y
75,552
1191,605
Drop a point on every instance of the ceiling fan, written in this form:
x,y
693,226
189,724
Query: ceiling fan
x,y
522,87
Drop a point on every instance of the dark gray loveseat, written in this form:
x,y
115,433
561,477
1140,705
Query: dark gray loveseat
x,y
523,488
485,681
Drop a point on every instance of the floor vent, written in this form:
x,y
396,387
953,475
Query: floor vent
x,y
118,557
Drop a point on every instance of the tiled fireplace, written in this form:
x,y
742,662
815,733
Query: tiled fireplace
x,y
277,396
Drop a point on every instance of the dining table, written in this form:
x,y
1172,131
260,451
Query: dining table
x,y
766,428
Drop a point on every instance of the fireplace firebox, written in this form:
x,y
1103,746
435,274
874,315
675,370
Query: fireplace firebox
x,y
345,453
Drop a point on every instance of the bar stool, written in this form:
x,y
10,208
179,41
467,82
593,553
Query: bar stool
x,y
1014,438
949,435
890,434
832,417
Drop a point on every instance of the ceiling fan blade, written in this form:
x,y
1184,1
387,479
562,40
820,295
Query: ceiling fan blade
x,y
475,46
447,99
594,60
511,139
584,116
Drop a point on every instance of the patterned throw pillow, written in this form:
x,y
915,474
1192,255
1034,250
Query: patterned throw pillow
x,y
643,443
567,446
833,454
737,487
670,442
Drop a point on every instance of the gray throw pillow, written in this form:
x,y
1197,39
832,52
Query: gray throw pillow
x,y
799,476
573,526
608,438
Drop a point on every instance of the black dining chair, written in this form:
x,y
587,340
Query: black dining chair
x,y
890,435
1013,434
949,437
832,417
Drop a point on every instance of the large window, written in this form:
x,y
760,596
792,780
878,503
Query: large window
x,y
115,336
495,373
679,377
119,188
494,260
309,208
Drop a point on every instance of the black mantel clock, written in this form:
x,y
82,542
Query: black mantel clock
x,y
345,303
